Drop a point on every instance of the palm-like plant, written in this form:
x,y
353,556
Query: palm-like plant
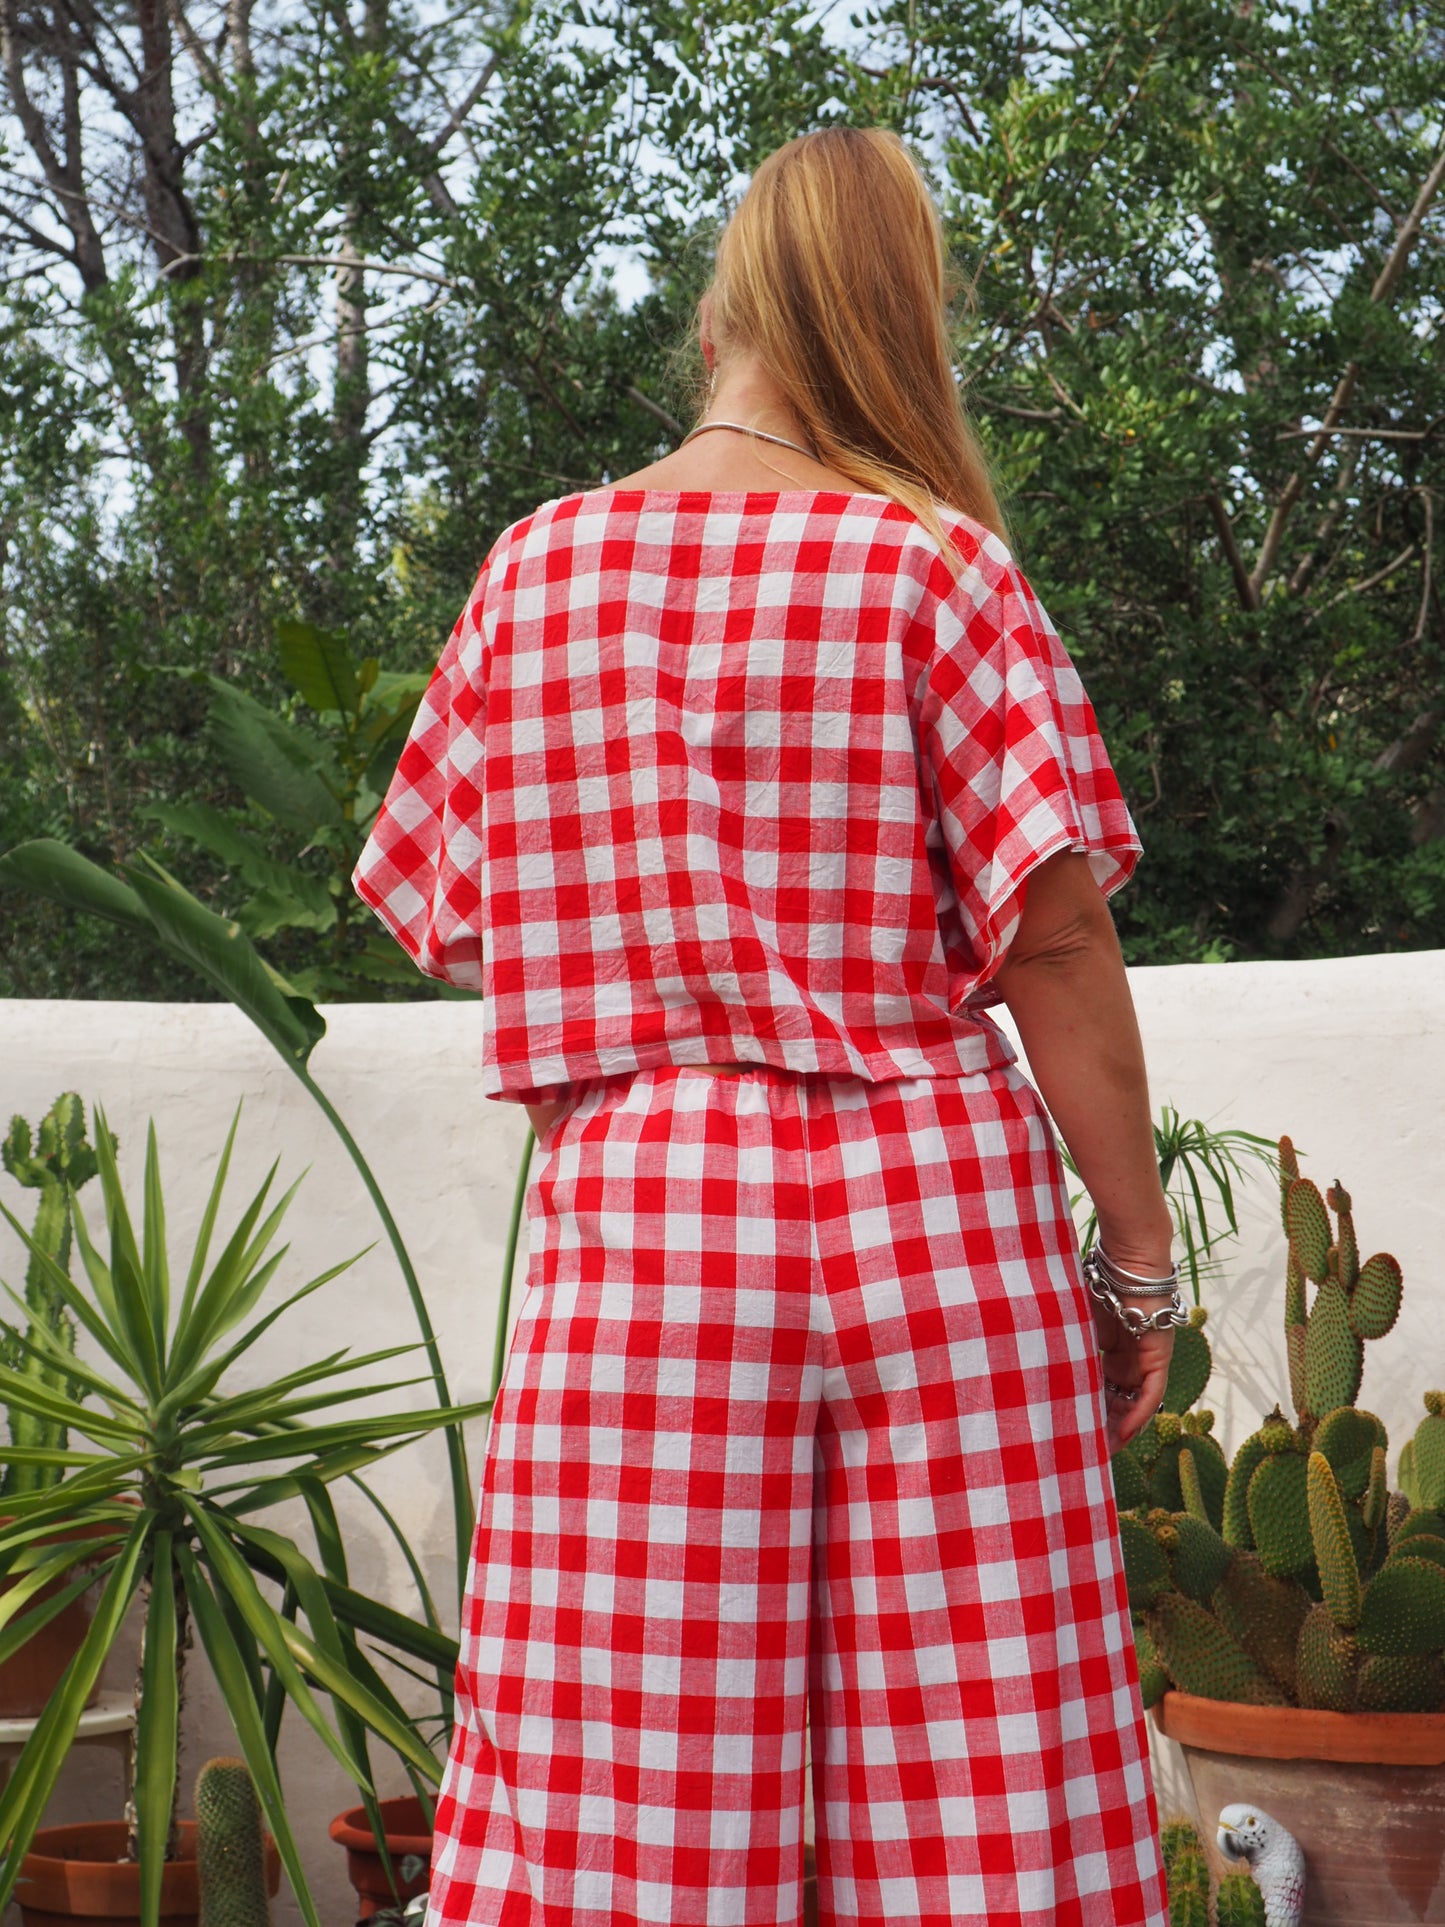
x,y
1193,1155
168,1471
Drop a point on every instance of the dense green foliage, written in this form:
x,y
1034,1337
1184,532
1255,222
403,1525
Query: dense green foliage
x,y
301,304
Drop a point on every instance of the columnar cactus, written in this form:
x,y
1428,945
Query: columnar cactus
x,y
56,1163
230,1848
1294,1577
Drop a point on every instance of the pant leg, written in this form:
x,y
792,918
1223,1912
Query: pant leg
x,y
978,1747
632,1687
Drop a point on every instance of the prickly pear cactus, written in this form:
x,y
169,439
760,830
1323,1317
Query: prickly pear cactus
x,y
230,1848
1293,1575
1422,1462
1403,1609
1352,1303
1334,1553
1327,1660
1200,1656
1152,1471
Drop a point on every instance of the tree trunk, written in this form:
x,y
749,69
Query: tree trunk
x,y
174,233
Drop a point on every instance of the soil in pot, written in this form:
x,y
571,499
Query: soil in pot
x,y
408,1841
1363,1793
79,1877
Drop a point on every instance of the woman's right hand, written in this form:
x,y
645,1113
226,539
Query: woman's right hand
x,y
1136,1371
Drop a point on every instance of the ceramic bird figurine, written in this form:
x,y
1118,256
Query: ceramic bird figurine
x,y
1274,1858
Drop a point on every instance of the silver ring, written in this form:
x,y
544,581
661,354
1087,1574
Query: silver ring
x,y
1129,1394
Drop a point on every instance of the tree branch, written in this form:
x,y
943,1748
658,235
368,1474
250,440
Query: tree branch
x,y
1427,496
343,263
1362,434
1407,752
1385,284
1018,414
655,409
65,178
1224,528
206,67
434,146
1329,521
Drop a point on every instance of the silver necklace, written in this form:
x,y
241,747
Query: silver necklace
x,y
758,434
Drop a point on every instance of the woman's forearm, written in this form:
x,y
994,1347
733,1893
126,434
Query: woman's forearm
x,y
1065,986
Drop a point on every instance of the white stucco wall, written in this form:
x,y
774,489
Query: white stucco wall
x,y
1347,1056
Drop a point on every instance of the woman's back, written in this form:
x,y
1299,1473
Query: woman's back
x,y
737,775
732,770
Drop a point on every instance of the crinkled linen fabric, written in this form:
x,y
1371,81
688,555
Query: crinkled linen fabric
x,y
802,1423
737,778
801,1419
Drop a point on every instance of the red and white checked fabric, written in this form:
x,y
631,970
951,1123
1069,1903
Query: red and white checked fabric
x,y
737,777
802,1419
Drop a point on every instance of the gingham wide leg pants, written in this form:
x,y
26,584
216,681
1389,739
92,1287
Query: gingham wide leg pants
x,y
801,1422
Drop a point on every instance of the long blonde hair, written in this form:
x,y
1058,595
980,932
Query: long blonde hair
x,y
832,271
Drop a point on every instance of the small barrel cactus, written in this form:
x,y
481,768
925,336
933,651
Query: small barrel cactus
x,y
230,1848
1238,1902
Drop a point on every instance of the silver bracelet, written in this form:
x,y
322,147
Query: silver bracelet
x,y
1134,1321
1129,1284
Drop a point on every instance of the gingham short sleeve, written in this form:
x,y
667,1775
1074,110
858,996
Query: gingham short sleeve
x,y
421,868
1018,766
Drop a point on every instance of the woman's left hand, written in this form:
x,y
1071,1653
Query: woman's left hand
x,y
1135,1371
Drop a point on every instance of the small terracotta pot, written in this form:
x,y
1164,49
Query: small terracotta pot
x,y
408,1841
1363,1793
80,1875
29,1677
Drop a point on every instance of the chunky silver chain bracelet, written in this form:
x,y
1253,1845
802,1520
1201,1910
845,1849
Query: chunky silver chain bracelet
x,y
1111,1286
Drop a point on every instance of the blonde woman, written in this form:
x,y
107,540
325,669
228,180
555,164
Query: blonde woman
x,y
744,786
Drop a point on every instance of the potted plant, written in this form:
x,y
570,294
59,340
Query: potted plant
x,y
390,1866
1289,1607
48,1617
174,1477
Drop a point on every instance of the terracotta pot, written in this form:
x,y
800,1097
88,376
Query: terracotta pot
x,y
408,1841
1363,1793
29,1677
80,1875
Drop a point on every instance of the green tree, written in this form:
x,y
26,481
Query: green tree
x,y
300,305
1206,352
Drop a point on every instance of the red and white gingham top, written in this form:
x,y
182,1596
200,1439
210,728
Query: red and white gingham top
x,y
716,777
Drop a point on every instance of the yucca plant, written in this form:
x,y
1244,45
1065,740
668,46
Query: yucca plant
x,y
170,1469
149,901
